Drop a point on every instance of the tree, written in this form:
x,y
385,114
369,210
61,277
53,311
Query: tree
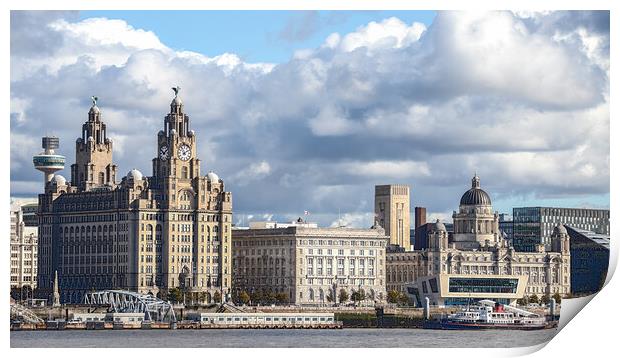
x,y
202,296
15,293
533,299
330,296
361,295
244,297
358,296
175,295
522,301
281,297
217,297
403,299
256,297
343,295
269,298
26,292
393,296
354,296
557,298
545,299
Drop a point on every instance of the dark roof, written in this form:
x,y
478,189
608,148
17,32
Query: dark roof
x,y
475,195
586,238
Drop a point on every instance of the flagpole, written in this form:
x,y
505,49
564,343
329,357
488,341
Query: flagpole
x,y
339,219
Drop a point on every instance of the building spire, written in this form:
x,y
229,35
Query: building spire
x,y
56,302
475,181
94,114
176,106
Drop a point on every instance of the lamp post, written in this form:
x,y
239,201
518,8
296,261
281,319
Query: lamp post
x,y
335,286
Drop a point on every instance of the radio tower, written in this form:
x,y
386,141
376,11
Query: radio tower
x,y
47,161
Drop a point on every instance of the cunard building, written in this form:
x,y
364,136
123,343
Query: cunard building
x,y
144,233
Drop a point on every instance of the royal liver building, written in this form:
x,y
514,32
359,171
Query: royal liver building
x,y
146,233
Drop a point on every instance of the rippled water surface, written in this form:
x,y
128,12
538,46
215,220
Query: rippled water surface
x,y
353,338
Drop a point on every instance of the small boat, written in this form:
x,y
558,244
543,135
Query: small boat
x,y
491,315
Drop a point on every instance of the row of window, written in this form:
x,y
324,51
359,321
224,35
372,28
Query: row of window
x,y
26,270
317,242
15,278
352,252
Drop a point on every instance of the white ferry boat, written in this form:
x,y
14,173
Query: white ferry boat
x,y
491,315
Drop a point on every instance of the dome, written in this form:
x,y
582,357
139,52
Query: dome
x,y
475,195
176,101
191,133
94,109
213,177
134,174
439,226
59,180
90,139
560,229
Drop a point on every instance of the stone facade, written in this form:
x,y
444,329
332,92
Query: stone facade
x,y
392,213
144,234
307,263
23,251
478,250
405,267
93,166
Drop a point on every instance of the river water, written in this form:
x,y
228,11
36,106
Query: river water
x,y
247,338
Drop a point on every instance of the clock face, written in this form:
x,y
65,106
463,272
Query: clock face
x,y
163,152
184,152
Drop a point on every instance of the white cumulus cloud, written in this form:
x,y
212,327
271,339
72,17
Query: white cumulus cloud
x,y
523,99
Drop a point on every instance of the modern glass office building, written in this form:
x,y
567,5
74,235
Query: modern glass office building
x,y
505,226
589,261
534,225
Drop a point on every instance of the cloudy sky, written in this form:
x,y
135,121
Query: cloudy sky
x,y
309,110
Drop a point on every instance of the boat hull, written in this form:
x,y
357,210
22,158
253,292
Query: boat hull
x,y
451,325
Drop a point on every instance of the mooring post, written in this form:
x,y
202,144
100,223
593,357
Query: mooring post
x,y
427,308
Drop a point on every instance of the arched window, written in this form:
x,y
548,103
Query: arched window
x,y
101,178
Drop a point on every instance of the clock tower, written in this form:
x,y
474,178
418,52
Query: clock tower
x,y
176,147
196,211
93,166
